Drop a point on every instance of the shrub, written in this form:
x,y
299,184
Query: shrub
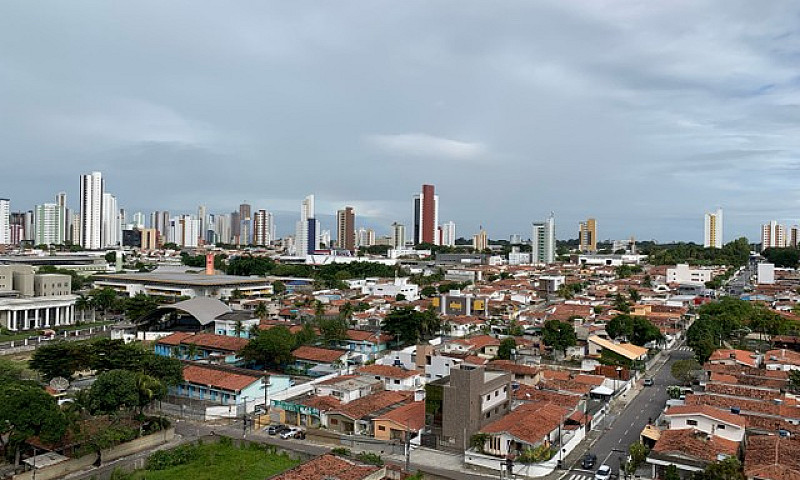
x,y
370,458
164,459
341,451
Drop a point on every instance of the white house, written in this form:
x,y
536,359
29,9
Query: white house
x,y
707,419
683,273
400,286
393,378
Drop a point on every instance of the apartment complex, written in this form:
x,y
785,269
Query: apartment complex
x,y
712,235
587,235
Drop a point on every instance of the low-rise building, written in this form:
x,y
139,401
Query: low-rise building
x,y
684,274
316,361
401,422
393,378
689,450
707,419
205,347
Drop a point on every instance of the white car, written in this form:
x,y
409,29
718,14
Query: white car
x,y
289,433
603,473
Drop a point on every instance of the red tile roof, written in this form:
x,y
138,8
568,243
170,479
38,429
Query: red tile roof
x,y
695,444
326,467
316,354
205,340
218,378
387,371
411,416
707,411
364,406
772,457
529,422
365,336
739,356
509,366
174,339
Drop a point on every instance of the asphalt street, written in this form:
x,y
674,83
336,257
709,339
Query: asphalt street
x,y
630,422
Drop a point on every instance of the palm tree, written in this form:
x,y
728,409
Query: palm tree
x,y
261,310
346,311
191,351
149,389
319,309
238,328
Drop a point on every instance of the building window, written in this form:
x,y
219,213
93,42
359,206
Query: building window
x,y
488,397
496,393
488,414
691,422
397,382
721,427
334,421
381,428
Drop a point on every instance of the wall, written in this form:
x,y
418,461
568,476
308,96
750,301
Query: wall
x,y
64,468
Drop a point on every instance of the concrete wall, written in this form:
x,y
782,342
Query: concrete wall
x,y
65,468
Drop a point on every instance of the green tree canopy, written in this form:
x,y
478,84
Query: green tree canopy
x,y
272,347
61,359
27,410
138,306
410,326
558,335
332,330
685,371
507,345
112,391
782,257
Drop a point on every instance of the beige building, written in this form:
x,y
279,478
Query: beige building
x,y
587,235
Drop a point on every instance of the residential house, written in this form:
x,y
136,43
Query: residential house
x,y
226,385
316,361
356,417
525,428
772,457
365,345
524,374
707,419
393,378
628,353
735,357
782,359
689,450
202,347
401,422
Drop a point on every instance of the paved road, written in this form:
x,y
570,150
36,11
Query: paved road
x,y
630,422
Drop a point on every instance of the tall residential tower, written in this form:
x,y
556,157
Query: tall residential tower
x,y
91,208
544,241
426,216
712,235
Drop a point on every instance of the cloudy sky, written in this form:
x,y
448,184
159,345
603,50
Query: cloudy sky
x,y
642,114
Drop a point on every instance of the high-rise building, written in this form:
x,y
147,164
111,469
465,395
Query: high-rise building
x,y
773,235
223,228
543,241
346,229
712,236
236,227
515,239
16,225
794,236
262,228
5,221
183,231
111,224
28,225
138,220
48,224
398,235
91,209
307,229
365,237
202,217
66,217
449,234
480,241
426,216
587,235
246,221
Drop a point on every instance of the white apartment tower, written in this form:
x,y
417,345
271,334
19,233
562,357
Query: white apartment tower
x,y
773,235
5,224
712,237
262,228
544,241
398,235
91,209
111,223
307,229
449,234
48,224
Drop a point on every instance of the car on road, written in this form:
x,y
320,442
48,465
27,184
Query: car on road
x,y
589,461
648,382
276,429
291,433
603,473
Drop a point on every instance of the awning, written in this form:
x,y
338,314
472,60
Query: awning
x,y
601,390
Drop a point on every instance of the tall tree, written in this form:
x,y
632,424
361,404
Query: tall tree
x,y
332,330
61,359
507,346
112,391
26,410
272,347
558,335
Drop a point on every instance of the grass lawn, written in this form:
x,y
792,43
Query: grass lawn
x,y
214,461
35,333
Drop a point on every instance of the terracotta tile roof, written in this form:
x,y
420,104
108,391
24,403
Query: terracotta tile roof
x,y
739,356
479,342
321,402
695,444
364,406
745,391
723,378
533,394
783,356
708,411
515,368
326,467
216,342
529,422
365,336
219,378
475,360
174,339
387,371
316,354
411,415
746,405
772,457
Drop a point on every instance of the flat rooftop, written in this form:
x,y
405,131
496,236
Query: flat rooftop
x,y
189,279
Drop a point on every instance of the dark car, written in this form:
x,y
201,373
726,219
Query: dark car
x,y
589,461
276,429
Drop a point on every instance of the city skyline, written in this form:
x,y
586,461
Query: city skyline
x,y
641,115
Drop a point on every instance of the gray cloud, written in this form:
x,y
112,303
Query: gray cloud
x,y
641,114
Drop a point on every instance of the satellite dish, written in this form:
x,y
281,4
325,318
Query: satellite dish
x,y
59,384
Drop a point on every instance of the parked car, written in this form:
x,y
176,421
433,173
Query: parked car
x,y
589,461
648,382
276,429
603,473
289,433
